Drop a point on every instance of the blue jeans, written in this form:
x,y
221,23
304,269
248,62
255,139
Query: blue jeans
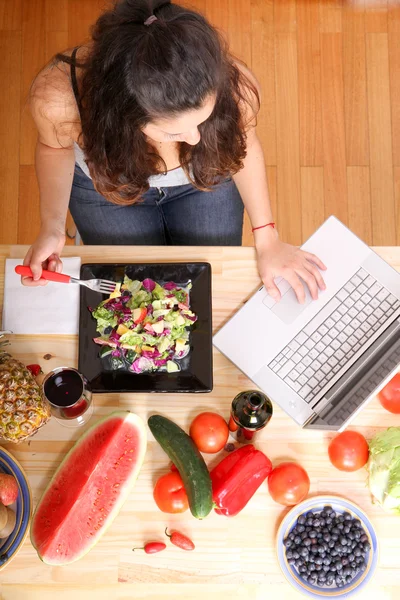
x,y
179,216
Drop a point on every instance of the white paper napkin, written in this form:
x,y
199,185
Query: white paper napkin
x,y
53,308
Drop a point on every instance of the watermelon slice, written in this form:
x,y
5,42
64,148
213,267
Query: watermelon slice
x,y
89,488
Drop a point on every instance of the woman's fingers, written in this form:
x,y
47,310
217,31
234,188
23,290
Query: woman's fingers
x,y
310,280
314,259
317,275
294,280
272,288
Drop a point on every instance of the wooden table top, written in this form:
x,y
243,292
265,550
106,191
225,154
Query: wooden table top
x,y
234,556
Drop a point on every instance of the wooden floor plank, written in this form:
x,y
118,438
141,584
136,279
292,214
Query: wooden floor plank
x,y
10,15
240,30
55,41
82,14
381,164
218,15
396,174
312,199
309,74
287,128
359,194
335,188
29,217
285,16
394,72
263,65
330,15
56,15
33,59
376,16
10,98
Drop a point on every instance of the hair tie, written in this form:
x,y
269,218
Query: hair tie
x,y
150,20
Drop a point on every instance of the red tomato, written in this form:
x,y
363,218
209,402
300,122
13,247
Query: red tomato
x,y
389,397
348,451
209,432
288,483
170,495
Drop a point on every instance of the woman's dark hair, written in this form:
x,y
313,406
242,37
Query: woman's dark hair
x,y
136,73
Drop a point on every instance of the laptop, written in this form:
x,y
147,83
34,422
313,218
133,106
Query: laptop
x,y
321,361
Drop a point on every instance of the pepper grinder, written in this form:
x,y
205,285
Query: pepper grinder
x,y
250,412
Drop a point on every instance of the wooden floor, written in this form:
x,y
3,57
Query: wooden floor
x,y
330,122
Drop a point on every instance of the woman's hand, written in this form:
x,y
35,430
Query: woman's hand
x,y
44,254
275,258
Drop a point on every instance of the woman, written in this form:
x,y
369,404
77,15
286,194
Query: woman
x,y
148,134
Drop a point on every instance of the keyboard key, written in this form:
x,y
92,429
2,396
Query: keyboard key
x,y
296,357
359,305
352,312
294,345
300,368
336,369
356,323
336,316
286,351
307,360
293,375
316,337
332,361
365,327
340,325
319,376
301,338
325,368
378,313
309,372
342,295
343,361
339,354
342,309
323,330
359,334
342,338
368,310
356,295
352,340
375,289
346,319
316,365
362,273
372,320
355,280
391,299
383,294
346,348
348,330
385,306
334,332
295,385
273,364
313,382
323,314
362,288
369,281
329,323
313,354
370,332
349,302
279,357
374,303
329,351
286,369
305,391
326,340
303,351
357,347
302,380
309,344
349,287
335,344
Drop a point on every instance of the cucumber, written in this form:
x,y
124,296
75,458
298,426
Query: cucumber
x,y
191,466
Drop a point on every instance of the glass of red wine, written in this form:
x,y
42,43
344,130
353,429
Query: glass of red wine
x,y
69,395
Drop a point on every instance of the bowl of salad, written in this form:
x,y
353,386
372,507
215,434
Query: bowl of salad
x,y
153,333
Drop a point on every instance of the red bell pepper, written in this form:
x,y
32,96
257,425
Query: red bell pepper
x,y
237,477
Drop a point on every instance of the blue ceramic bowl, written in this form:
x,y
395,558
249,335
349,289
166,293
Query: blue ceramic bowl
x,y
339,505
10,546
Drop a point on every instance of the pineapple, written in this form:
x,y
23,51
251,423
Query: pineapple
x,y
22,406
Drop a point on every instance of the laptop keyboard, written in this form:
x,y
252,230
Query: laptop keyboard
x,y
324,347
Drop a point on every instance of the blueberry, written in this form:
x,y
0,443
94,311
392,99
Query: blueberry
x,y
357,534
322,577
304,535
332,514
331,544
291,560
338,565
349,579
350,536
299,562
327,560
329,581
328,521
297,540
304,552
326,568
367,547
345,561
351,557
359,560
302,569
319,560
301,520
288,543
289,554
307,541
300,528
346,529
343,541
335,530
346,571
316,523
318,567
357,524
309,522
357,552
353,565
296,554
314,540
314,549
311,567
347,516
312,534
327,537
340,526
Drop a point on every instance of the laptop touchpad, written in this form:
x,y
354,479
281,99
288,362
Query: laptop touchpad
x,y
288,308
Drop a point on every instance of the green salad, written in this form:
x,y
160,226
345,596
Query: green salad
x,y
145,325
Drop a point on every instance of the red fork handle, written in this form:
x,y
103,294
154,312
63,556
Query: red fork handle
x,y
49,275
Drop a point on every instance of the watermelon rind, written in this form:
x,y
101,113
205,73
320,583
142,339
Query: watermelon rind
x,y
136,421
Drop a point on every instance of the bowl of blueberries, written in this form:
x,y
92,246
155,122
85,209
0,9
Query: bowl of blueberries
x,y
327,547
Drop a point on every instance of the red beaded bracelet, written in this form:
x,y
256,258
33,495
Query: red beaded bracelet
x,y
262,226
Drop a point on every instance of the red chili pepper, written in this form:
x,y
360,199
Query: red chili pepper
x,y
34,369
152,547
237,477
180,540
174,467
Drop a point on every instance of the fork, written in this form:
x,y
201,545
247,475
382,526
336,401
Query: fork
x,y
97,285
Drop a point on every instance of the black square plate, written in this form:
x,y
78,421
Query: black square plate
x,y
196,369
